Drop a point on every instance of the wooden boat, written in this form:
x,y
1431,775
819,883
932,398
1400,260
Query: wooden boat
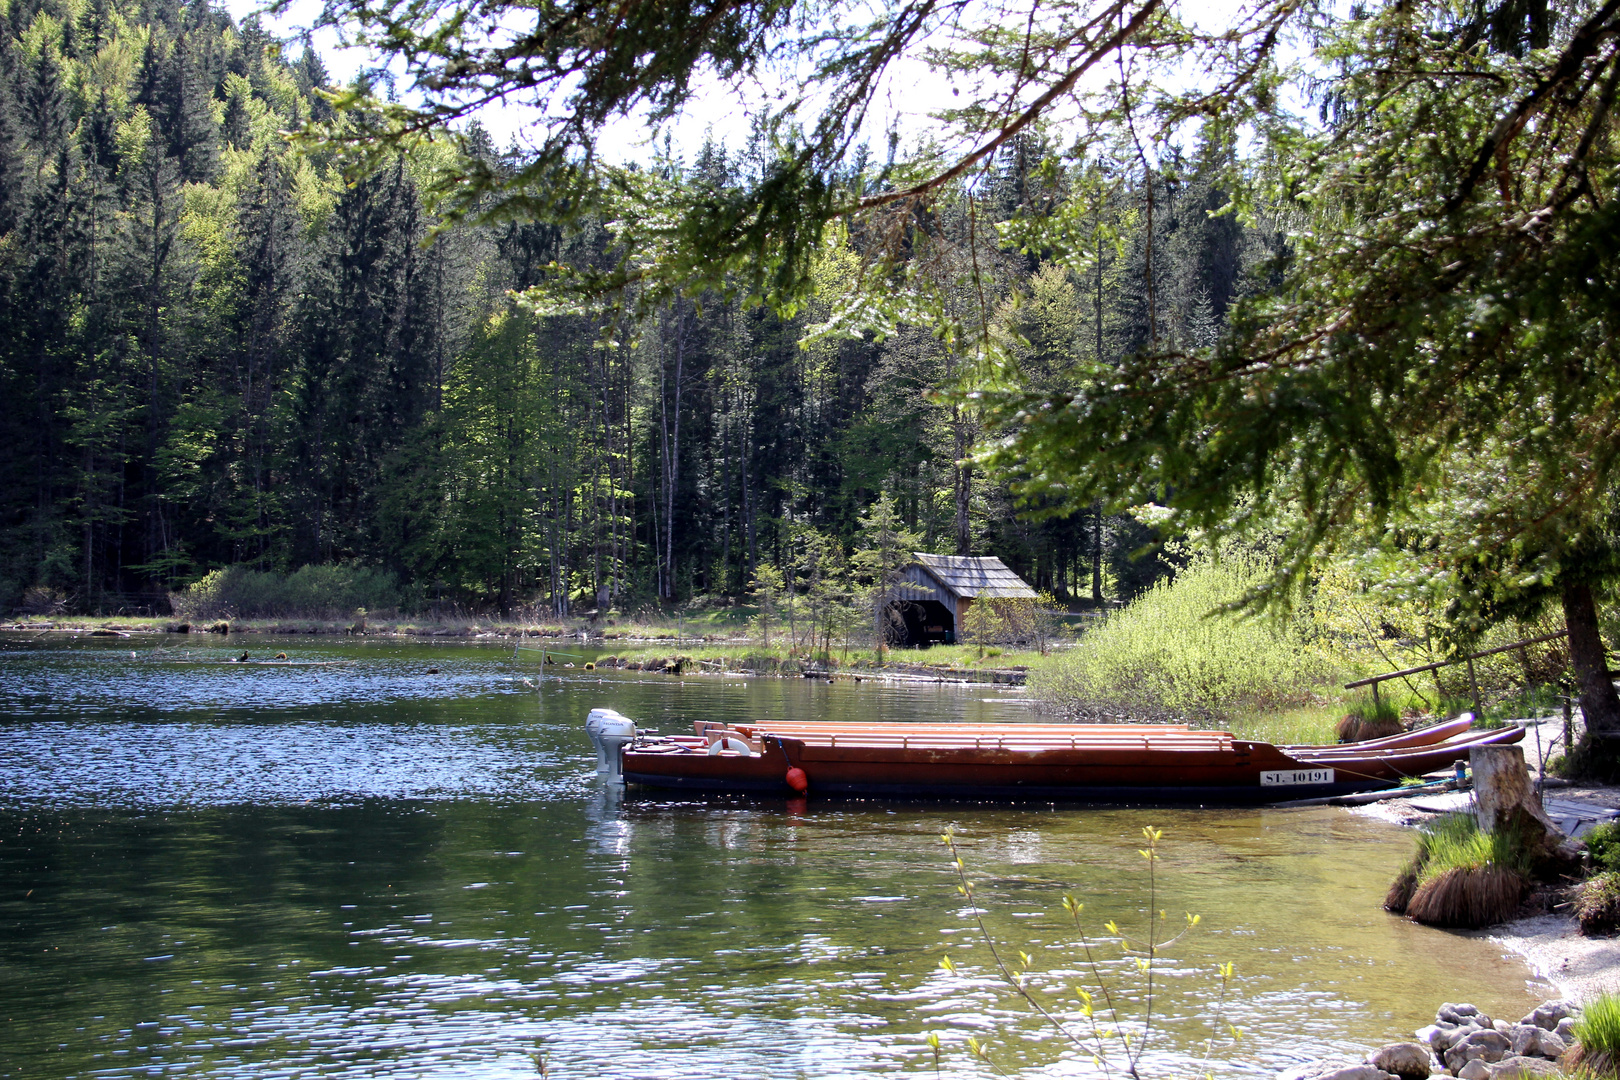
x,y
1112,763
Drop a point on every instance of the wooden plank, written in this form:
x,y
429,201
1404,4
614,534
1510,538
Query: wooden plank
x,y
1447,663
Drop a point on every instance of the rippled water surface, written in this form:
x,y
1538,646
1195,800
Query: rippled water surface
x,y
370,869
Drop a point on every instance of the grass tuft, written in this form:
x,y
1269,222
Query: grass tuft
x,y
1455,843
1401,889
1354,728
1467,897
1461,877
1597,1036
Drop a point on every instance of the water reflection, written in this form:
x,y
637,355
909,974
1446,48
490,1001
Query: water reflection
x,y
432,884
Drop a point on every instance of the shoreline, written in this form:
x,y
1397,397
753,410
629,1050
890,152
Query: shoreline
x,y
1550,944
685,655
1554,950
113,626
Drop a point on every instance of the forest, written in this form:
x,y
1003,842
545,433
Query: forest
x,y
224,347
1339,289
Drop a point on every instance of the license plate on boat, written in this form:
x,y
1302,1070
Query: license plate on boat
x,y
1288,777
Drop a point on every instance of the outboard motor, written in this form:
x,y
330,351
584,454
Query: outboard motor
x,y
609,731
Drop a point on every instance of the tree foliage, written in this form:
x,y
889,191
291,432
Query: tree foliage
x,y
225,349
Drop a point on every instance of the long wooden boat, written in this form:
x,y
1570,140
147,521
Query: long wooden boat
x,y
1108,763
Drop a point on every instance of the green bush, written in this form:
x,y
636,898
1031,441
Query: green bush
x,y
1522,704
332,591
1603,844
1169,655
1597,904
1596,760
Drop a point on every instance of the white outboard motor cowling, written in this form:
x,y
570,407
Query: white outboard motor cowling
x,y
609,731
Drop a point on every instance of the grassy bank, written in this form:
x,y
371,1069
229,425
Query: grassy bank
x,y
941,661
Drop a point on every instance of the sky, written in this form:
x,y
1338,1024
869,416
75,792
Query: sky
x,y
713,110
911,93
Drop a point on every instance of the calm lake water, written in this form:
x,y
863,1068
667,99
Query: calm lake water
x,y
370,870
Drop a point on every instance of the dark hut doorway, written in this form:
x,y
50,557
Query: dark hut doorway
x,y
920,623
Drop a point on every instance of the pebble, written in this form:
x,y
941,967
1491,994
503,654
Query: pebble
x,y
1466,1043
1409,1061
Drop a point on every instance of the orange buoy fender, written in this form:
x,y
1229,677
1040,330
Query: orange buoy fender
x,y
797,780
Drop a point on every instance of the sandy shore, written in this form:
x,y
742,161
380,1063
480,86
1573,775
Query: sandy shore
x,y
1579,967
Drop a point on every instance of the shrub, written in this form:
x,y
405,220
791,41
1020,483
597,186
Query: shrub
x,y
43,600
1603,844
1597,904
1103,1038
1012,621
1170,655
1592,759
332,591
1354,728
1597,1034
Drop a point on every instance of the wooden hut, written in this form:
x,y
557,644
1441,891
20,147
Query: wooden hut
x,y
936,591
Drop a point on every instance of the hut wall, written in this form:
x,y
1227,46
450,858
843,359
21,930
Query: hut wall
x,y
921,585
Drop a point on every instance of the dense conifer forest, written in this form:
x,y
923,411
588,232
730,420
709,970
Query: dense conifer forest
x,y
222,346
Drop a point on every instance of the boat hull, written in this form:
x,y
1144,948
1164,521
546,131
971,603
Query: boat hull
x,y
1104,767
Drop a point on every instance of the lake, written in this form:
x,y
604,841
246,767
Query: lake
x,y
375,869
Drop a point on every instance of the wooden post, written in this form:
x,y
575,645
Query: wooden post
x,y
1375,700
1473,684
1569,726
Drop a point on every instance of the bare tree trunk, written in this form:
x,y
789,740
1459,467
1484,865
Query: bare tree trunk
x,y
1599,704
1502,788
1096,553
750,525
670,436
964,486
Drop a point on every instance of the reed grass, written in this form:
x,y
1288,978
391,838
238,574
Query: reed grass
x,y
1597,1035
945,661
1310,725
1462,877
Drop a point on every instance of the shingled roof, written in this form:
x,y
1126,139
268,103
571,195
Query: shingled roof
x,y
972,577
